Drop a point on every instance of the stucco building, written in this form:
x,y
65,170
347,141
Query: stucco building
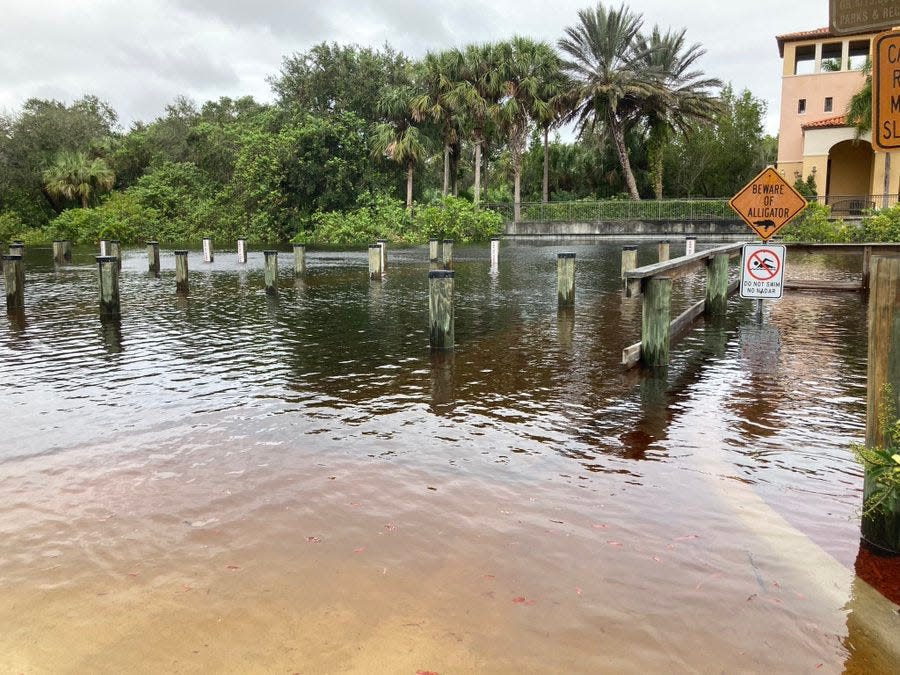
x,y
821,74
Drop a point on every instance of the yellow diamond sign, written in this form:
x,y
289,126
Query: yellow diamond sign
x,y
768,203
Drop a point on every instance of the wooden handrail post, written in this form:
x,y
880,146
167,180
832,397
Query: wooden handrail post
x,y
717,286
657,309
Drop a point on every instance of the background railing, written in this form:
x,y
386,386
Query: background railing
x,y
682,210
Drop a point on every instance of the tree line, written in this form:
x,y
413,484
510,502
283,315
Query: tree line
x,y
351,126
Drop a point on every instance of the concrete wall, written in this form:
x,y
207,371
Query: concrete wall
x,y
629,228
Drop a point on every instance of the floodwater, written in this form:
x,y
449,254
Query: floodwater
x,y
234,483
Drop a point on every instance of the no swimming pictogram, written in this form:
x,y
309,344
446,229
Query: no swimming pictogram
x,y
762,271
764,264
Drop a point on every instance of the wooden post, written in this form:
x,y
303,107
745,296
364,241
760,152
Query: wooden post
x,y
867,267
271,272
440,310
717,286
495,252
383,244
108,274
14,279
62,251
242,251
104,247
153,257
655,324
374,262
115,250
181,273
17,248
664,251
629,259
299,260
208,254
447,253
690,246
434,250
882,529
565,279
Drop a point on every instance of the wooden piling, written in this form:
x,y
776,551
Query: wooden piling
x,y
153,257
242,251
208,254
690,246
434,250
17,248
657,308
495,252
299,260
717,286
664,251
182,287
62,251
565,279
375,262
629,259
440,310
882,527
447,253
108,276
867,267
271,269
115,250
14,280
104,247
383,244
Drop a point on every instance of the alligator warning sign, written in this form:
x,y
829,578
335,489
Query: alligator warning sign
x,y
768,203
762,272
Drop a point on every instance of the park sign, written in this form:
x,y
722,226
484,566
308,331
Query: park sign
x,y
768,203
886,91
852,17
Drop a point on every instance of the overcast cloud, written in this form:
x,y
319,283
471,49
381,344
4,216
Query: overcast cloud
x,y
139,55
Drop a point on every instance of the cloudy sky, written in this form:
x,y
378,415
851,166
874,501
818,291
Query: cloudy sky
x,y
141,54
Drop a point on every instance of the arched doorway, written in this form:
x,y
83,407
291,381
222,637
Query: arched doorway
x,y
850,167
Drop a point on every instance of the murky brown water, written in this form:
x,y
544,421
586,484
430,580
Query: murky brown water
x,y
238,484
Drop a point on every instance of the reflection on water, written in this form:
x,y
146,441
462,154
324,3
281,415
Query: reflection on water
x,y
241,482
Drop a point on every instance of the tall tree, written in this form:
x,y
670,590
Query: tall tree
x,y
859,114
525,66
399,139
551,107
683,99
75,177
611,76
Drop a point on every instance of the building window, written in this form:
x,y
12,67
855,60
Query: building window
x,y
859,54
801,107
829,104
805,61
832,57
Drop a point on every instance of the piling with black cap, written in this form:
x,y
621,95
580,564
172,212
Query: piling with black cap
x,y
271,269
447,252
208,255
664,251
242,251
434,250
440,310
14,280
374,262
495,251
690,246
108,275
62,251
153,257
299,260
181,273
565,279
115,250
17,248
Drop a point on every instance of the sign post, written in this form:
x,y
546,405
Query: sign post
x,y
849,17
766,204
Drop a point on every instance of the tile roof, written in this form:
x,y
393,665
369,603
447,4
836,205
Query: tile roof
x,y
828,123
809,35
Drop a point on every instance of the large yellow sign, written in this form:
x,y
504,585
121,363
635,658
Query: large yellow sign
x,y
768,203
886,91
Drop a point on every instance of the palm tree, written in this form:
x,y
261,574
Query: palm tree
x,y
477,90
73,176
438,76
399,139
683,98
610,74
859,114
555,103
525,66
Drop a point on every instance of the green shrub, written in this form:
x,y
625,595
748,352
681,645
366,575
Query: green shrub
x,y
814,225
11,226
457,219
376,217
883,225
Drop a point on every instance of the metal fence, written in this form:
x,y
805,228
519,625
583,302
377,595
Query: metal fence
x,y
681,210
